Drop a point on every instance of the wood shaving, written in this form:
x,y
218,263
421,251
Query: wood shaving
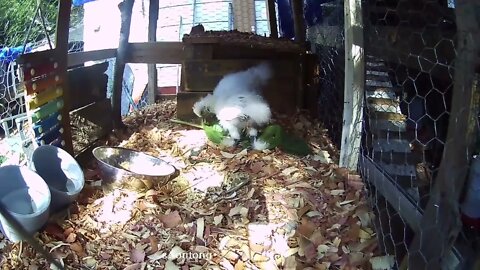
x,y
293,213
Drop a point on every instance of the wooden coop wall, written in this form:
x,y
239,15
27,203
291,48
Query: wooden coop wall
x,y
204,66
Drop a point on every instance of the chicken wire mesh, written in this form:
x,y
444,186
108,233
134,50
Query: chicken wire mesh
x,y
24,28
327,36
410,51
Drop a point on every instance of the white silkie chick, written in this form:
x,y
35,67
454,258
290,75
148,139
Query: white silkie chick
x,y
237,102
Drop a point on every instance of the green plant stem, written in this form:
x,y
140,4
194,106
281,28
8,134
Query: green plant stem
x,y
176,121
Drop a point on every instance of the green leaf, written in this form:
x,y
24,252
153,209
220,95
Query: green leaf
x,y
215,133
295,145
272,135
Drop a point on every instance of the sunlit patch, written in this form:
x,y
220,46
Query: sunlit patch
x,y
191,139
116,208
204,176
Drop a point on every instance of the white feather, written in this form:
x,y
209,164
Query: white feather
x,y
227,142
259,144
237,97
206,102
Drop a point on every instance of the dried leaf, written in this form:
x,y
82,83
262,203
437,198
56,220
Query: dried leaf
x,y
227,155
71,238
200,227
383,262
257,167
321,251
217,220
170,265
175,253
238,210
323,157
290,170
306,228
137,255
171,220
54,230
157,256
337,192
136,266
78,248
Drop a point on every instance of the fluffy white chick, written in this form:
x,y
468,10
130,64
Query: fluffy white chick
x,y
243,111
237,101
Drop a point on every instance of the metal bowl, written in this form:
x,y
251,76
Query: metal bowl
x,y
127,168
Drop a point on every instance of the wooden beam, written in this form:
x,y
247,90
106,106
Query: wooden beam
x,y
61,48
152,37
272,18
441,222
155,53
388,189
298,21
79,58
126,18
354,85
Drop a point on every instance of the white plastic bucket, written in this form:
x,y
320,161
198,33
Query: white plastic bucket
x,y
26,197
61,172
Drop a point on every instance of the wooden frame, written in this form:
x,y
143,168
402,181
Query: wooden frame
x,y
354,85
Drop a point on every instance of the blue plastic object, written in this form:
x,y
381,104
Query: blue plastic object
x,y
10,54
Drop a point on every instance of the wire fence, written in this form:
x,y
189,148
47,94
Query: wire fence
x,y
327,36
25,27
410,53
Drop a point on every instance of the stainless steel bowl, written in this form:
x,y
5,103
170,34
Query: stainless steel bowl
x,y
127,168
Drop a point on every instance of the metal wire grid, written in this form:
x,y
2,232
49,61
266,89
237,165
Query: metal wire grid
x,y
410,49
327,39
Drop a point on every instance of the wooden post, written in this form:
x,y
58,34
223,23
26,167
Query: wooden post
x,y
152,37
272,18
61,48
126,14
441,222
298,21
354,85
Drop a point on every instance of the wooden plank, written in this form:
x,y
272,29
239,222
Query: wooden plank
x,y
198,51
203,75
122,55
79,58
272,18
354,85
441,221
379,115
62,33
397,158
391,145
185,101
387,188
37,58
90,123
87,85
152,37
155,52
